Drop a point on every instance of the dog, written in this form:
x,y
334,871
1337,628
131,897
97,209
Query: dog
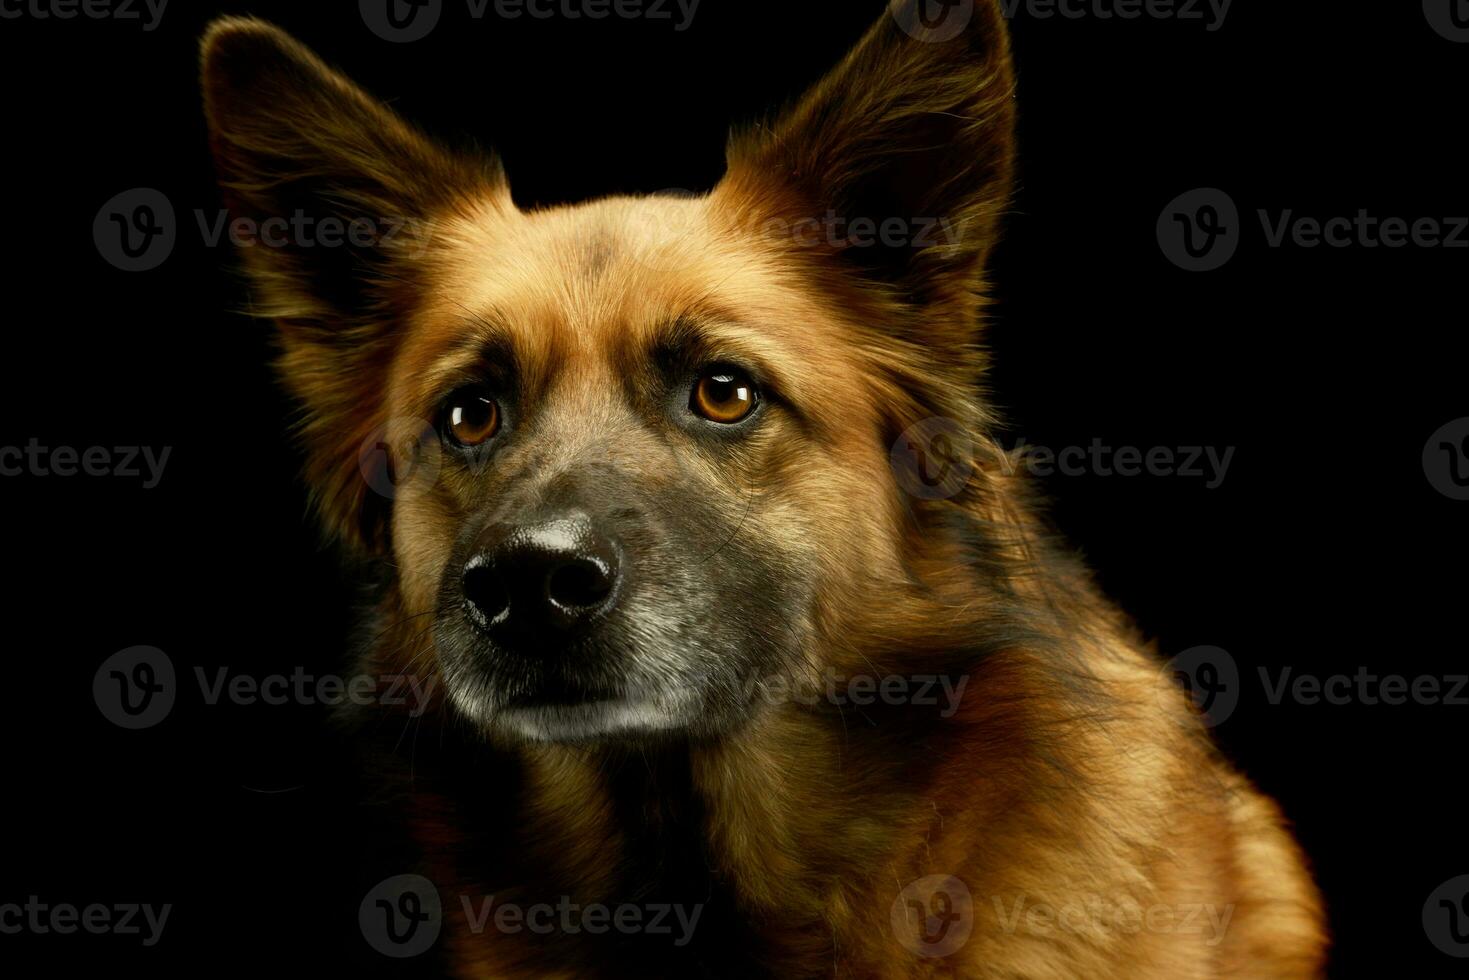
x,y
691,511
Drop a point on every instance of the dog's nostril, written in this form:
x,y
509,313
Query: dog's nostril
x,y
484,590
579,584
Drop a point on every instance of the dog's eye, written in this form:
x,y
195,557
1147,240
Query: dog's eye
x,y
724,395
473,417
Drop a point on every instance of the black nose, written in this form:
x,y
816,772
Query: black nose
x,y
541,581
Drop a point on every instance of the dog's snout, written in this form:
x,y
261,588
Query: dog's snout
x,y
541,580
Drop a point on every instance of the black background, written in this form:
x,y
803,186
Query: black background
x,y
1324,549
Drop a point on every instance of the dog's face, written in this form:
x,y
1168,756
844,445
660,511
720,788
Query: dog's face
x,y
651,440
641,445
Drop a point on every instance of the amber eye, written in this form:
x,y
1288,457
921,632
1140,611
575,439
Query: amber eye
x,y
473,418
724,395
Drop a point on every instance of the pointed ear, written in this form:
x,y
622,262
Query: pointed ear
x,y
915,126
332,197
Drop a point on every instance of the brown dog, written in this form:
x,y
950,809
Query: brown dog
x,y
706,640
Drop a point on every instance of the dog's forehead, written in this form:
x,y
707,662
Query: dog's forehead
x,y
588,254
601,284
606,276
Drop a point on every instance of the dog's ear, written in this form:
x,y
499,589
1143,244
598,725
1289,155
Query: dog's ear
x,y
332,199
915,130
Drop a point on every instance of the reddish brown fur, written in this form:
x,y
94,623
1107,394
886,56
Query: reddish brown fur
x,y
1074,768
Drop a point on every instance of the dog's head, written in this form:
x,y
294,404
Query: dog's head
x,y
639,448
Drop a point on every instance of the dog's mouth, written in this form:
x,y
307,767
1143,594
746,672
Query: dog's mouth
x,y
560,709
584,720
556,692
582,692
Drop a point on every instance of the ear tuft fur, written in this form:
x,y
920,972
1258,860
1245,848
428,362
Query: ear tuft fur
x,y
337,196
916,123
